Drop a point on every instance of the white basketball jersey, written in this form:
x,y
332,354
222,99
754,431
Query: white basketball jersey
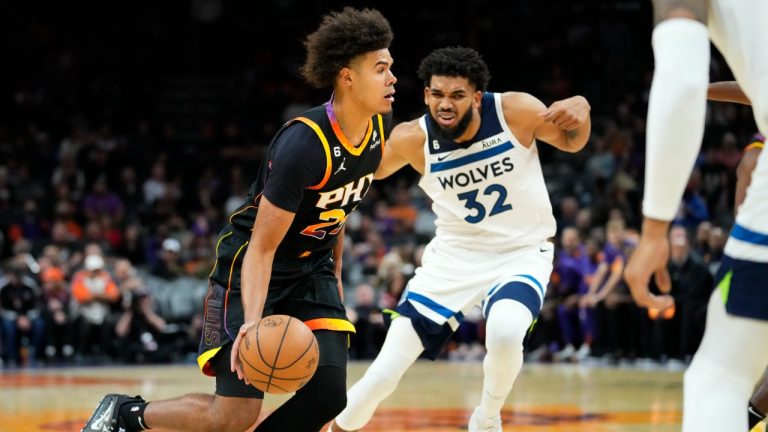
x,y
488,193
737,29
749,236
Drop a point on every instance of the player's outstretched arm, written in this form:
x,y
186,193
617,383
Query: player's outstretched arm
x,y
404,146
727,91
566,124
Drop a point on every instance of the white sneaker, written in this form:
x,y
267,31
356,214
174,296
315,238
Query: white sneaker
x,y
583,353
480,423
566,354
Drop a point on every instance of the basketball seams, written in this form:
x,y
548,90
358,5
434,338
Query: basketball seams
x,y
300,356
277,352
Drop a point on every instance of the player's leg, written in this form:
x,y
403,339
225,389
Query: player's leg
x,y
323,397
234,408
758,404
510,308
509,317
730,359
401,348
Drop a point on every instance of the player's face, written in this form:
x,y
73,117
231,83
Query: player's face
x,y
372,81
452,104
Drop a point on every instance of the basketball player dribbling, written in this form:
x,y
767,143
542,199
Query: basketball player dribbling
x,y
279,252
732,354
478,156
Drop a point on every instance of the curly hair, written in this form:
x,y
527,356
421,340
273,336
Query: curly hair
x,y
341,37
455,62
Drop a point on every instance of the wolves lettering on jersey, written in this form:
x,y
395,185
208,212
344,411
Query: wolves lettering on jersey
x,y
325,206
488,193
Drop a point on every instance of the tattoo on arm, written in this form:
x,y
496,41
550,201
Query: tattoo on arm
x,y
572,134
665,9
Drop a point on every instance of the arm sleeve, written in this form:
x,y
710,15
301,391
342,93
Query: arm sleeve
x,y
297,161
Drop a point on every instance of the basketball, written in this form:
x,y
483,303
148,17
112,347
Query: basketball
x,y
279,355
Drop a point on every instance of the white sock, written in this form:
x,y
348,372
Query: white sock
x,y
401,348
508,322
676,111
720,380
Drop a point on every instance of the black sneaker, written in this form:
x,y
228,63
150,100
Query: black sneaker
x,y
106,418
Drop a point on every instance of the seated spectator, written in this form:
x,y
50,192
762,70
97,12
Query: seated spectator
x,y
56,313
95,293
20,317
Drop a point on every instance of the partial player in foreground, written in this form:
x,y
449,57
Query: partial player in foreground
x,y
729,91
279,253
732,354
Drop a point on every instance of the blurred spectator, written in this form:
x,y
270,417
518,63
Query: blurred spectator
x,y
169,267
20,317
56,313
96,294
102,202
369,324
139,329
692,285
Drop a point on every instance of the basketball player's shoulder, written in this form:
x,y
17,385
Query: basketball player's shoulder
x,y
521,107
407,135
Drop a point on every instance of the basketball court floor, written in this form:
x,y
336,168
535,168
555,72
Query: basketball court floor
x,y
433,397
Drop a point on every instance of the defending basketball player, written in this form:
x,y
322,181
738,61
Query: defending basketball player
x,y
279,253
477,153
732,353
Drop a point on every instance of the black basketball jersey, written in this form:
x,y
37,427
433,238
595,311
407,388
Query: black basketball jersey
x,y
343,178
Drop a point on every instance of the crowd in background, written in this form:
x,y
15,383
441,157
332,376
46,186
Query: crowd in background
x,y
121,156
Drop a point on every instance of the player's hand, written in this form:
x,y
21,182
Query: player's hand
x,y
650,257
235,365
568,114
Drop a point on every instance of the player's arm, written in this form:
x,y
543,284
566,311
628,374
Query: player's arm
x,y
404,146
566,124
744,173
727,91
269,229
277,206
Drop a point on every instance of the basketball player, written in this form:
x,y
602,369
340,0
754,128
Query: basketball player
x,y
729,91
732,353
279,253
478,157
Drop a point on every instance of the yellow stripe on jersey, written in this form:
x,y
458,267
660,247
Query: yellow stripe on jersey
x,y
218,243
381,131
334,324
356,151
754,145
204,359
326,147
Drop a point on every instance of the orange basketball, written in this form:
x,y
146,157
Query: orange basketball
x,y
279,355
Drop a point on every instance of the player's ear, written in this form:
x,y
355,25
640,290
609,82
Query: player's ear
x,y
345,76
426,96
477,98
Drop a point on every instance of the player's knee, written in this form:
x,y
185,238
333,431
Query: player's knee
x,y
328,394
508,339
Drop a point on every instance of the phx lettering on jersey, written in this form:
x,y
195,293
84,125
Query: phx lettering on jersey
x,y
353,191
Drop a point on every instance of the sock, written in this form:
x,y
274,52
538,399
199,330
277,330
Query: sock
x,y
755,416
133,415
